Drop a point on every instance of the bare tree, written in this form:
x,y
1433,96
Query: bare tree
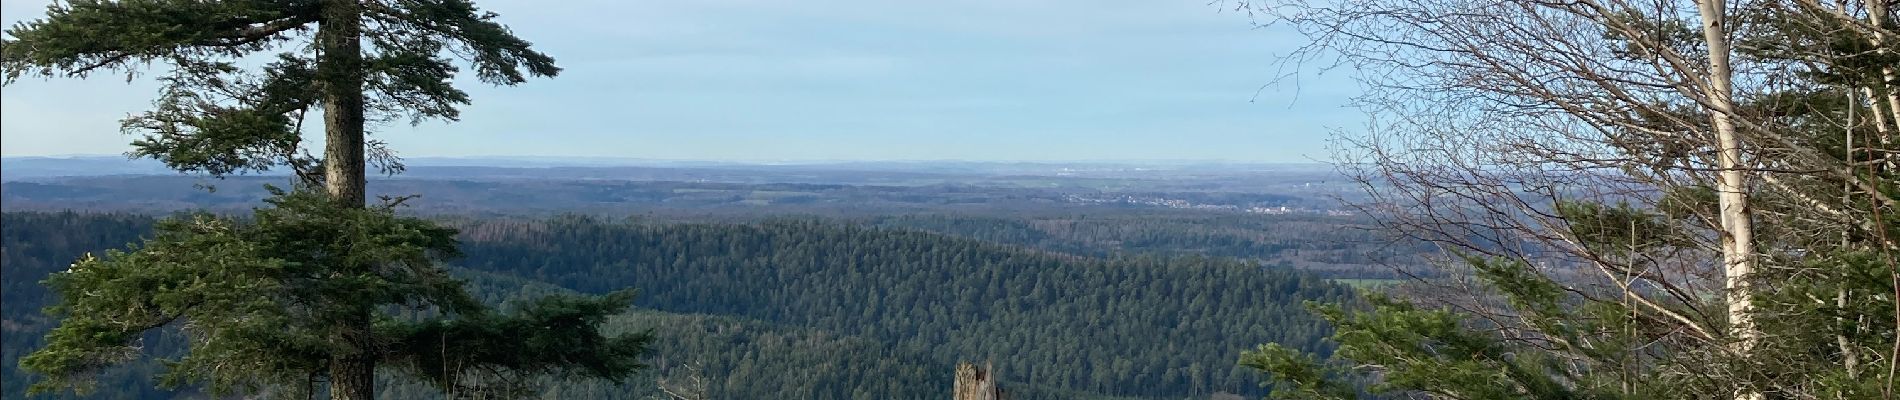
x,y
693,387
1681,158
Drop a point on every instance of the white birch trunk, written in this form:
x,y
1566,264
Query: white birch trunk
x,y
1877,11
1738,246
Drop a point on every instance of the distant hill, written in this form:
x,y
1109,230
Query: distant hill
x,y
512,191
844,172
25,168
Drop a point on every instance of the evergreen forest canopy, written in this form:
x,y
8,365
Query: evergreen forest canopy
x,y
1633,199
812,309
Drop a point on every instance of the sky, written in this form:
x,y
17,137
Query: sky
x,y
772,80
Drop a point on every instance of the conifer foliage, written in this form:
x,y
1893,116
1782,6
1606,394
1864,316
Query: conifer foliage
x,y
302,292
262,300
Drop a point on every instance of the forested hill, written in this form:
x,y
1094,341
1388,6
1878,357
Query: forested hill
x,y
1144,327
876,313
1336,247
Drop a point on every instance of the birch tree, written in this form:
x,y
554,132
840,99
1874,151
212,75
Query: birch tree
x,y
1636,198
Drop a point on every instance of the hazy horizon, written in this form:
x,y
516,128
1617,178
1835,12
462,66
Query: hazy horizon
x,y
606,160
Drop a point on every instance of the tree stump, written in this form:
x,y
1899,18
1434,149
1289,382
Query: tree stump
x,y
977,383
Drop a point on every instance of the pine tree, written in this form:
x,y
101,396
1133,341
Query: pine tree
x,y
298,294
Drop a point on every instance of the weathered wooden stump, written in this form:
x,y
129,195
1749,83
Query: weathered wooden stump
x,y
977,383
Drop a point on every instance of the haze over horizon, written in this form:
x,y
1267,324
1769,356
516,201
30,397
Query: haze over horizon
x,y
757,81
616,160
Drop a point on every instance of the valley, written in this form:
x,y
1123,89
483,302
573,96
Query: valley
x,y
821,289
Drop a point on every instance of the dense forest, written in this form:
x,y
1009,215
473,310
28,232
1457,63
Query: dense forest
x,y
1611,199
817,309
1331,246
1334,246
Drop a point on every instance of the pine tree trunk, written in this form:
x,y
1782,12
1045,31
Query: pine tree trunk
x,y
340,69
1738,246
353,373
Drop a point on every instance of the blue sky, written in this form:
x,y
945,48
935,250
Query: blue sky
x,y
773,80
